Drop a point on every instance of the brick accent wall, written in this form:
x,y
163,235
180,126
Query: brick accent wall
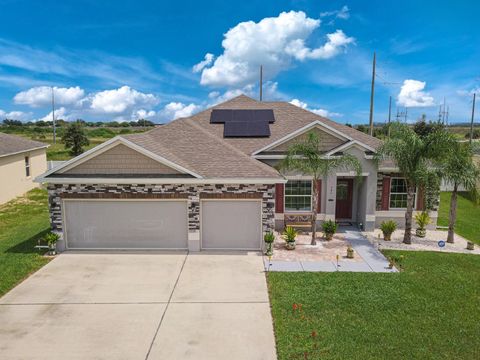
x,y
192,193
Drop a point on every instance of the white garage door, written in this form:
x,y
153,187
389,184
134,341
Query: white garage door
x,y
125,224
231,224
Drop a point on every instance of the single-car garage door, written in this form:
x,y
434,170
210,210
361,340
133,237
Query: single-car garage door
x,y
231,224
125,224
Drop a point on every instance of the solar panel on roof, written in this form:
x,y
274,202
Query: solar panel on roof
x,y
264,115
243,122
219,116
246,129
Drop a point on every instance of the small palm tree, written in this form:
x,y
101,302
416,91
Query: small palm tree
x,y
417,158
459,170
307,158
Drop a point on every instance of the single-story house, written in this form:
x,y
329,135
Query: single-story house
x,y
21,160
209,182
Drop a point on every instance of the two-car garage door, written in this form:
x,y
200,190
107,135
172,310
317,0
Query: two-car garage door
x,y
161,224
126,224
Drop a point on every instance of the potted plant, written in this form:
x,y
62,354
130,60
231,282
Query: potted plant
x,y
329,228
269,238
289,235
350,252
388,228
51,239
422,219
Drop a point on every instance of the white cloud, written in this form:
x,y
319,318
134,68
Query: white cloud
x,y
321,112
468,93
60,113
202,64
175,110
15,115
336,43
272,42
270,92
42,96
412,94
121,100
343,13
143,114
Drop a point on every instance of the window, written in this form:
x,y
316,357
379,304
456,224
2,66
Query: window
x,y
298,195
398,194
27,166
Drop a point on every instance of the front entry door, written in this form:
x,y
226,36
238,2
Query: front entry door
x,y
343,208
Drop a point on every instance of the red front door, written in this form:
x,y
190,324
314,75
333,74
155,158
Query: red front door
x,y
343,208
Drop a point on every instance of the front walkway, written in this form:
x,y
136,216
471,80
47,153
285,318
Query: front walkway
x,y
323,257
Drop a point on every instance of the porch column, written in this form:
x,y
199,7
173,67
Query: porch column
x,y
370,201
330,197
194,221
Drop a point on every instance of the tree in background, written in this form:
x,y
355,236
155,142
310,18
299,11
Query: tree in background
x,y
417,158
459,170
75,138
423,128
308,158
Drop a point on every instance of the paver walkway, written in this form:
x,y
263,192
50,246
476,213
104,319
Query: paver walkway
x,y
374,260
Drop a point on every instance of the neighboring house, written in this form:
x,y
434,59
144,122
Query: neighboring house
x,y
21,160
208,182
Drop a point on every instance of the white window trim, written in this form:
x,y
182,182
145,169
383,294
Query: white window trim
x,y
390,195
285,196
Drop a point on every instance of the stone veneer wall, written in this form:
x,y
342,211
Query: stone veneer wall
x,y
191,192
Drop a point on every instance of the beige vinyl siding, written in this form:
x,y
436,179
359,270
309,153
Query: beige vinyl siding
x,y
13,179
328,141
121,160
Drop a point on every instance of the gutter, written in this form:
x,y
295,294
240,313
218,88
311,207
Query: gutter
x,y
264,181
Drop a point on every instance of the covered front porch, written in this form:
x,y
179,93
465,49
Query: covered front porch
x,y
344,198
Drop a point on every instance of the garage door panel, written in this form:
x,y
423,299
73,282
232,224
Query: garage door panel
x,y
234,224
126,224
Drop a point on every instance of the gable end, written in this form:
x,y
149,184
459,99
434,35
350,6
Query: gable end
x,y
120,159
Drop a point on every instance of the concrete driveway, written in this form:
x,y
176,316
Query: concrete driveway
x,y
140,306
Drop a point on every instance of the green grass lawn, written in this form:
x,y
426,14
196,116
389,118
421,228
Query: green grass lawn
x,y
429,311
468,216
22,222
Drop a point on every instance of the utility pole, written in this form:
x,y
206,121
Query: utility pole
x,y
261,82
389,114
53,117
473,116
372,94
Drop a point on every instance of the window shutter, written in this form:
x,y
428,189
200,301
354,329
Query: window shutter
x,y
421,199
386,193
319,202
279,201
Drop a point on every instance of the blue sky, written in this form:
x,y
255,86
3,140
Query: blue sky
x,y
121,60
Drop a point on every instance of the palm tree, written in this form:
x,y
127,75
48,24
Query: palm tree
x,y
459,170
417,157
307,158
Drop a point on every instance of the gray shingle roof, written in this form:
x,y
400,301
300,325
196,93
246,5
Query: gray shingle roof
x,y
199,146
12,144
